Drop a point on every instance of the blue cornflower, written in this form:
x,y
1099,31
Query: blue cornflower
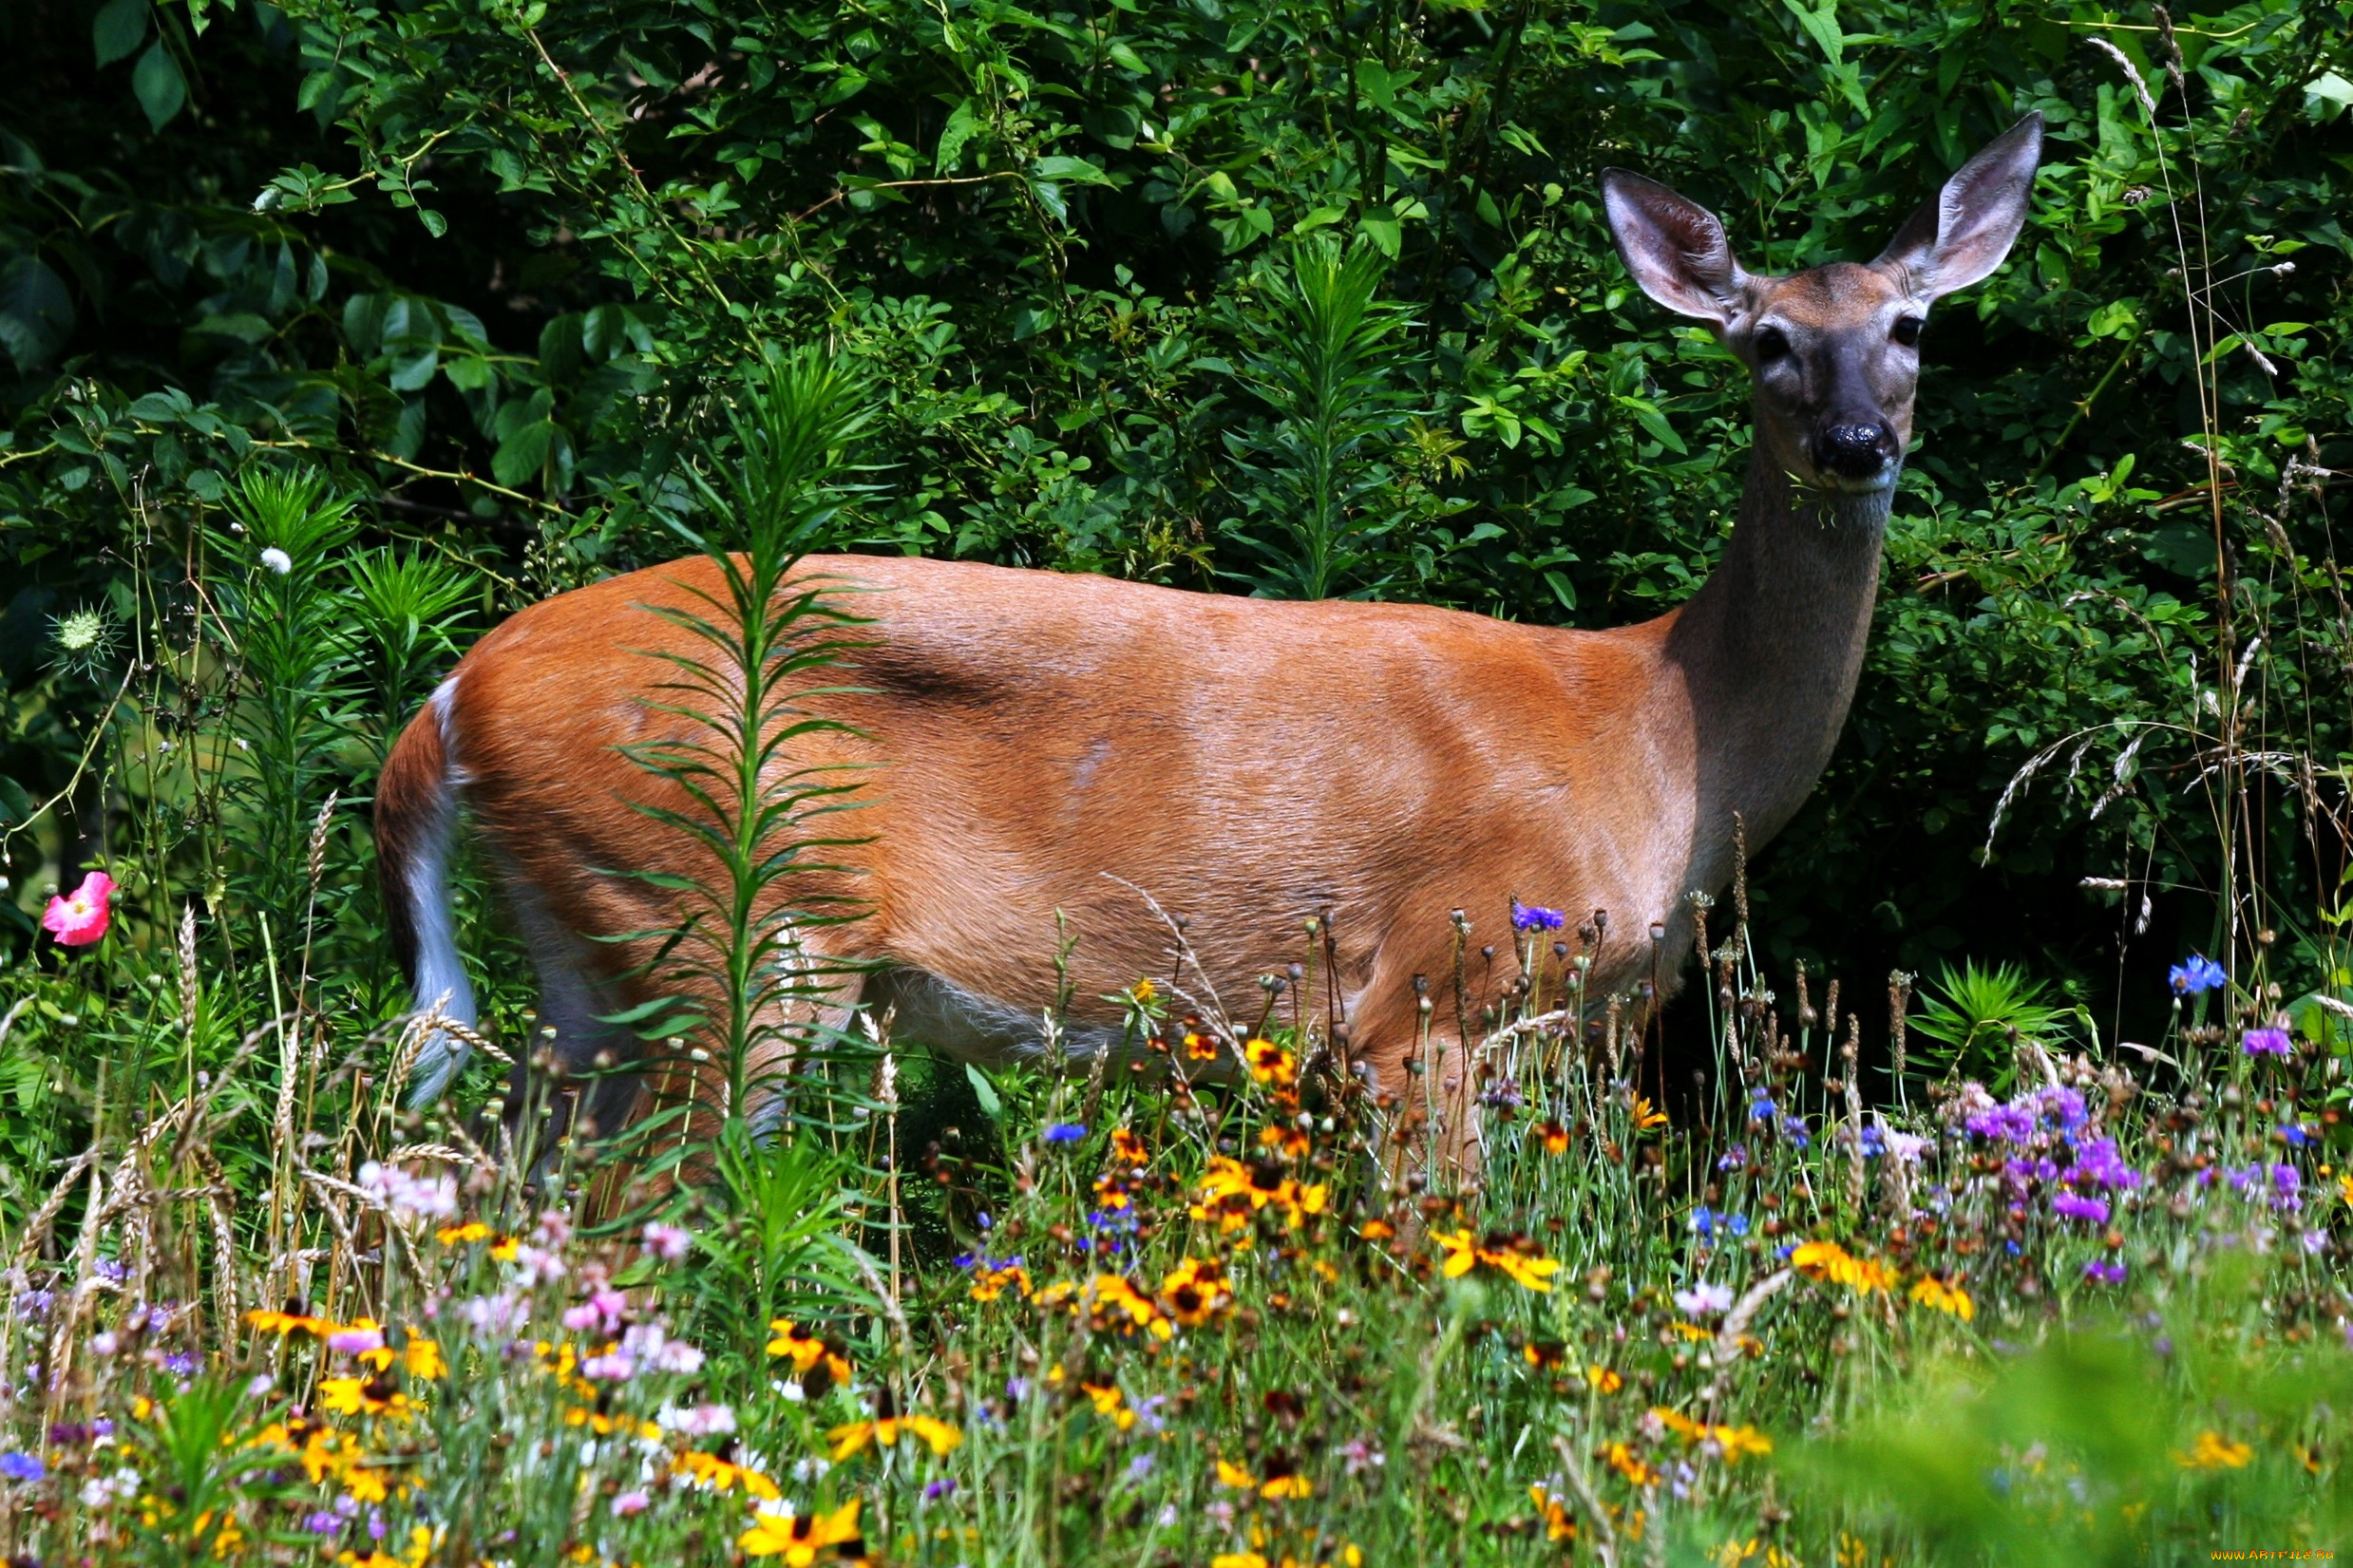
x,y
1732,1157
1873,1142
1760,1105
2197,974
22,1466
1535,918
1066,1132
1708,1222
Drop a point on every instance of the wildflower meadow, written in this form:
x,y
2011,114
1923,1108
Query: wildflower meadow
x,y
1973,1187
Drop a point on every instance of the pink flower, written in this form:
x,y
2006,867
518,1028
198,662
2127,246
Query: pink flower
x,y
355,1340
630,1505
80,918
667,1242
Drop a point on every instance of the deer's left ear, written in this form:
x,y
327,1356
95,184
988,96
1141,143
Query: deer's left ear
x,y
1961,233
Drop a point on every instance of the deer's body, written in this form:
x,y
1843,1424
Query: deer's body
x,y
1038,743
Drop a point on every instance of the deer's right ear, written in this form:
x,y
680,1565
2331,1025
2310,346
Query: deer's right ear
x,y
1674,247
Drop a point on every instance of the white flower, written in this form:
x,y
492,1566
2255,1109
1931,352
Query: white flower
x,y
278,560
697,1420
1905,1147
1705,1300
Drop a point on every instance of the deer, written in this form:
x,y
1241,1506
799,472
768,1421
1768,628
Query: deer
x,y
1052,746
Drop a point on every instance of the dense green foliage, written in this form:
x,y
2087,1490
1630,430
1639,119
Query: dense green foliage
x,y
486,265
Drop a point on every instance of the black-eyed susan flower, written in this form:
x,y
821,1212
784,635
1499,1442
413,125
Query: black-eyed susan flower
x,y
1827,1261
1944,1297
1269,1062
1109,1403
1200,1046
1624,1460
295,1319
798,1537
2213,1451
884,1431
1549,1136
458,1236
1127,1148
1231,1192
989,1281
378,1395
1195,1290
1280,1482
716,1473
1514,1257
819,1363
1553,1514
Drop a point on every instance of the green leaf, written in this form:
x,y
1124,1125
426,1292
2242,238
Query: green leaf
x,y
1374,80
962,127
157,81
1073,169
1822,27
118,28
1381,227
984,1091
36,313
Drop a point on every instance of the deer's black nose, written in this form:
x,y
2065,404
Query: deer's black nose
x,y
1854,451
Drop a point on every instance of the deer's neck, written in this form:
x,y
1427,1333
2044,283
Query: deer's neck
x,y
1768,649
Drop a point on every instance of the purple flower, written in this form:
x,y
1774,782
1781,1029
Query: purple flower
x,y
2098,1164
2100,1271
2062,1108
2266,1042
2196,976
323,1523
1066,1132
22,1466
355,1341
1535,918
1732,1157
2075,1207
2004,1124
935,1490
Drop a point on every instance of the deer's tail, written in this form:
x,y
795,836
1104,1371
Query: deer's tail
x,y
416,822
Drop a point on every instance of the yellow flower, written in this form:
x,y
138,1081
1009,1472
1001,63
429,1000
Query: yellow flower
x,y
1602,1380
1239,1559
1269,1062
1142,990
799,1539
1553,1514
940,1437
1128,1147
293,1320
1200,1047
722,1475
1646,1118
1117,1305
1829,1261
988,1284
363,1396
1621,1459
1550,1137
2215,1452
1283,1480
1513,1256
1109,1403
452,1235
1932,1291
1736,1441
809,1353
1195,1290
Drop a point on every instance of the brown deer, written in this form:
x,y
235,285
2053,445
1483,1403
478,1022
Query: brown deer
x,y
1054,743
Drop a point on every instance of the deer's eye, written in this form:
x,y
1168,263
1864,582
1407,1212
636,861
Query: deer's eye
x,y
1770,345
1906,330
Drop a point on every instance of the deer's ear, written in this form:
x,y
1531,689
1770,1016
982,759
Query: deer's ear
x,y
1674,247
1959,236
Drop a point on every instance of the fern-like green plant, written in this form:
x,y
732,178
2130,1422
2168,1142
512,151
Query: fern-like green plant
x,y
1971,1013
1314,517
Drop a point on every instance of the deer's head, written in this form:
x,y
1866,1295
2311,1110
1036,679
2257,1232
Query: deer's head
x,y
1835,350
